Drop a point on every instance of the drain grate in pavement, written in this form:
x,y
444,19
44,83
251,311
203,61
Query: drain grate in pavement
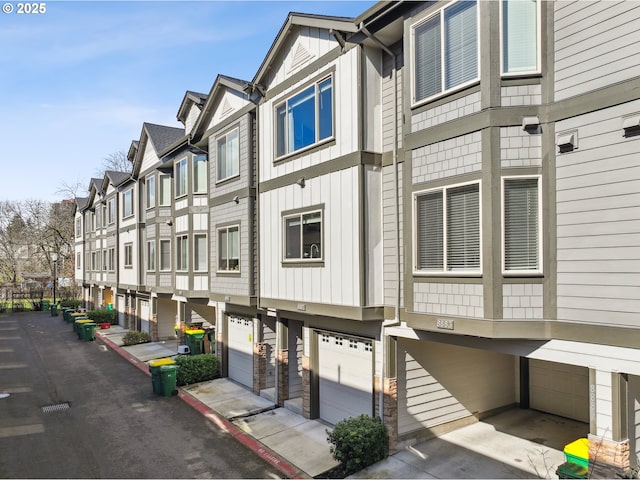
x,y
55,408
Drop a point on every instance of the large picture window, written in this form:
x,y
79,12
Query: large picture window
x,y
520,36
445,50
521,225
448,230
228,155
229,249
180,175
303,236
305,119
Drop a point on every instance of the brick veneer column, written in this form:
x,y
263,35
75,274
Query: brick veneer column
x,y
283,376
389,408
153,327
608,458
259,367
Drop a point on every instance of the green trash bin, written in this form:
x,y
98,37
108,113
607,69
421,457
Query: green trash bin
x,y
156,376
54,310
168,380
77,326
195,340
88,331
45,305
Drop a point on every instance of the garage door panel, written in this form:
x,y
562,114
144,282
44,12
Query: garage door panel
x,y
346,377
240,353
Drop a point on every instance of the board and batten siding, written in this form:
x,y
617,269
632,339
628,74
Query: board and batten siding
x,y
596,45
345,124
338,281
150,157
598,221
440,383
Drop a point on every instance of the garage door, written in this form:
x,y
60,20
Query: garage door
x,y
560,389
121,305
346,377
241,350
144,316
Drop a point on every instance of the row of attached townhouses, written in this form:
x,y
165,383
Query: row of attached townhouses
x,y
429,213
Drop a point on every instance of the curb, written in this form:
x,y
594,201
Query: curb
x,y
211,415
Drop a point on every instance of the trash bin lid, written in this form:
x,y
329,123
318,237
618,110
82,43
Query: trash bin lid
x,y
159,362
83,320
194,331
168,368
78,314
578,448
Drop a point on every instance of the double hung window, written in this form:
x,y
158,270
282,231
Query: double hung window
x,y
165,190
228,155
521,225
305,118
111,211
448,230
165,255
180,175
128,255
229,249
200,174
182,253
520,21
445,50
303,236
127,203
151,191
151,255
200,253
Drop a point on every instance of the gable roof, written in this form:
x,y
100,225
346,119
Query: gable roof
x,y
190,98
328,22
161,138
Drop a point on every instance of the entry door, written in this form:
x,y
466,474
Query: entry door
x,y
346,377
240,357
121,307
144,316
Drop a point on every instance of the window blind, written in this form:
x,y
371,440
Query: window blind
x,y
521,224
463,228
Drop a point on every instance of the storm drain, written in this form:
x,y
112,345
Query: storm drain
x,y
59,407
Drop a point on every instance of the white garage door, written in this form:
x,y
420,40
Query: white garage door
x,y
241,350
559,389
121,305
144,316
346,377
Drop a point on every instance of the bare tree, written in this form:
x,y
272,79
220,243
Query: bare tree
x,y
71,190
116,161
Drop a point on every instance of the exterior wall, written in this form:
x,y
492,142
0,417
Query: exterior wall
x,y
520,149
522,300
392,96
449,158
446,112
597,217
459,299
595,45
391,229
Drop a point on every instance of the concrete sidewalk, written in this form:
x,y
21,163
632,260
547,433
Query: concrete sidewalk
x,y
514,444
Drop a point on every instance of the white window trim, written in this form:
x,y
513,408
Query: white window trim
x,y
175,176
159,246
444,93
311,260
295,92
538,70
539,271
154,255
193,175
159,199
128,265
206,253
183,268
414,234
218,230
155,192
225,179
124,204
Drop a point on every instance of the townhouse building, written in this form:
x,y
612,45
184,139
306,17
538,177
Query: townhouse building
x,y
427,213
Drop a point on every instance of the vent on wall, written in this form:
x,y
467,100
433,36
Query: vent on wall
x,y
567,141
300,57
631,125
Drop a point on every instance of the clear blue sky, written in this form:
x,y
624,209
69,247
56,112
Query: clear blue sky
x,y
78,81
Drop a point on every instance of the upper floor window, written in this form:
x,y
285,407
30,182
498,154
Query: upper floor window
x,y
105,262
151,255
104,215
447,226
200,253
305,119
78,261
228,152
445,50
180,175
303,236
165,255
229,249
520,21
127,203
151,191
111,211
98,217
182,253
200,174
111,259
128,255
78,227
165,190
521,207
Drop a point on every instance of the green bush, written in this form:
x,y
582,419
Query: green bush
x,y
196,368
133,338
70,303
102,316
358,442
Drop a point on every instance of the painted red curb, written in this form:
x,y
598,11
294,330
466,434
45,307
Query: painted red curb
x,y
211,415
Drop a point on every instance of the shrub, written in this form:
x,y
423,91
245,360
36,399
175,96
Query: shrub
x,y
102,316
70,303
133,338
358,442
196,368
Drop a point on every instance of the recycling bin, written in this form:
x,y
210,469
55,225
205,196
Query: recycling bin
x,y
77,326
168,377
87,331
156,374
54,310
195,340
73,316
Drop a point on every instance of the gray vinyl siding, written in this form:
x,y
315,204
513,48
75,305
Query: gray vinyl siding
x,y
232,184
389,90
598,218
596,45
390,229
231,283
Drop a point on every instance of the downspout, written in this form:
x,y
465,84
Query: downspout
x,y
396,320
